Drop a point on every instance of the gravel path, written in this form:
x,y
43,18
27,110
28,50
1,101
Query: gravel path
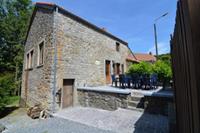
x,y
87,120
121,120
19,122
56,125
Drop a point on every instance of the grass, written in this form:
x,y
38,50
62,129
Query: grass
x,y
13,101
13,104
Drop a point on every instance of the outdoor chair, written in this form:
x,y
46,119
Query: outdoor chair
x,y
114,80
127,81
154,80
136,81
121,80
146,81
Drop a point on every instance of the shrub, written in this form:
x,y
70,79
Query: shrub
x,y
163,70
141,68
7,85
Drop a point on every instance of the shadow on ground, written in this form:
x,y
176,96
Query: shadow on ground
x,y
160,104
7,110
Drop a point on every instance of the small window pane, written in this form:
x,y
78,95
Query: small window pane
x,y
41,53
117,46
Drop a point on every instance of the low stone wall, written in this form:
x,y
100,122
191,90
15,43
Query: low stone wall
x,y
157,105
107,100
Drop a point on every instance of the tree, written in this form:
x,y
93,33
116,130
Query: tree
x,y
165,57
14,20
163,70
141,68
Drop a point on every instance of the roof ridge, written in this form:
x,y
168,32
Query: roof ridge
x,y
83,21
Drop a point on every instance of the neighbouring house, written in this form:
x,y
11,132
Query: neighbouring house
x,y
63,52
145,57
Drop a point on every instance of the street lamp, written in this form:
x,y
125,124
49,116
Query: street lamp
x,y
155,33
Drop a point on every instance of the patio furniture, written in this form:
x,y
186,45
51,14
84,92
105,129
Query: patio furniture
x,y
154,80
136,81
127,81
121,80
114,80
146,81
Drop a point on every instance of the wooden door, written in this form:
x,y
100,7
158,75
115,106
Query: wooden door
x,y
108,75
118,68
67,93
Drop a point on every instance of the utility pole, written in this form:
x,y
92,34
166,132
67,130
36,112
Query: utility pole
x,y
156,40
155,33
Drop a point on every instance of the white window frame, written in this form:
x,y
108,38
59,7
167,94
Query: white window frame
x,y
38,53
29,65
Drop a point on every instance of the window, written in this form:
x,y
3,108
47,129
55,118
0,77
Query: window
x,y
29,60
41,54
117,46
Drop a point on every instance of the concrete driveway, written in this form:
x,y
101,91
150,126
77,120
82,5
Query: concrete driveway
x,y
121,120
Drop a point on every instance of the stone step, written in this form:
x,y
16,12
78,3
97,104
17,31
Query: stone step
x,y
136,98
133,103
135,109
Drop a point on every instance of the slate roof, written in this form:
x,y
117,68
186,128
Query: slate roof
x,y
145,57
46,5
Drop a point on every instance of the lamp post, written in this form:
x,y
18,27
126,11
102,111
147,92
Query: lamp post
x,y
155,33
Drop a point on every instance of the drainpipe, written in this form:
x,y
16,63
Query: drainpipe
x,y
54,62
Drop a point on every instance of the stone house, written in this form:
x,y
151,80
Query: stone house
x,y
63,52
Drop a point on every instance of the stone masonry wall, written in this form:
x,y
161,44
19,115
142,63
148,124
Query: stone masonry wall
x,y
81,55
36,82
82,52
102,100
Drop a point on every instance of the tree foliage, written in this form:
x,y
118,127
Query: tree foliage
x,y
141,68
14,19
165,57
161,68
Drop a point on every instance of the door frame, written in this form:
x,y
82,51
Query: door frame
x,y
110,73
61,103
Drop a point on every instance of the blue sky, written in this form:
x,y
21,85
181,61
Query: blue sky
x,y
130,20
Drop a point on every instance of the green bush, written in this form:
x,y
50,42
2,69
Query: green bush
x,y
161,68
141,68
7,86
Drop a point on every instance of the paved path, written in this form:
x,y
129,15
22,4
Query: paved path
x,y
57,125
87,120
121,120
19,122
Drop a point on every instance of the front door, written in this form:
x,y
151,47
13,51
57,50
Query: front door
x,y
108,76
67,93
118,68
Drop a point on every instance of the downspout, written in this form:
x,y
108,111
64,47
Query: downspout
x,y
55,61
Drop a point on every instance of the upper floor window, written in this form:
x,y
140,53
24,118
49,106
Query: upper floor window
x,y
41,53
29,60
117,46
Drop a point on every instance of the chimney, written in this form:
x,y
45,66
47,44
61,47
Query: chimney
x,y
150,53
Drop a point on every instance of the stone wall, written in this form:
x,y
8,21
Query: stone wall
x,y
103,100
82,52
81,55
36,81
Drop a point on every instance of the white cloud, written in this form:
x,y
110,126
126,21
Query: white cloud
x,y
163,48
